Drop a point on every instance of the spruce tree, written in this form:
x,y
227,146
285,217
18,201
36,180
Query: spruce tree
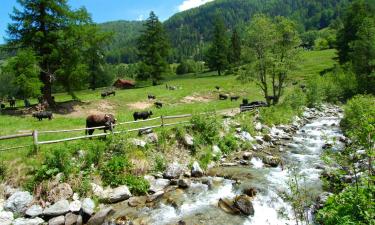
x,y
217,55
235,48
153,47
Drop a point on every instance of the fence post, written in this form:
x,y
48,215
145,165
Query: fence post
x,y
35,140
162,121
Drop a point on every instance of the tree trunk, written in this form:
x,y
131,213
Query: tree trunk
x,y
219,72
47,88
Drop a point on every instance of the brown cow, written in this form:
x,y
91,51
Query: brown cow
x,y
100,120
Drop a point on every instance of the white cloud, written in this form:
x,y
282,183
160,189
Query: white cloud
x,y
141,17
188,4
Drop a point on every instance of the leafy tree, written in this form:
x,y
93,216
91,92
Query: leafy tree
x,y
235,48
153,50
273,48
217,55
57,36
24,74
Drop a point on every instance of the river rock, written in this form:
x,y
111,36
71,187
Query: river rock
x,y
271,161
99,217
157,184
247,155
267,138
259,140
138,142
184,183
258,126
60,192
173,171
59,208
246,136
119,194
88,206
152,138
216,151
9,190
6,218
243,203
2,202
251,192
34,211
155,196
60,220
24,221
98,191
322,199
227,206
75,206
196,170
71,219
136,201
18,202
188,140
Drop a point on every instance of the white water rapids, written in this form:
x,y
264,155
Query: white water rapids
x,y
200,204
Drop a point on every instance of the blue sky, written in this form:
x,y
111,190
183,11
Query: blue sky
x,y
109,10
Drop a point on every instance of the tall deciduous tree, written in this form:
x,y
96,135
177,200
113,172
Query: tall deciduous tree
x,y
57,35
217,54
235,48
273,49
154,48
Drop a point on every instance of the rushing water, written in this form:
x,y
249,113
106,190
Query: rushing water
x,y
199,204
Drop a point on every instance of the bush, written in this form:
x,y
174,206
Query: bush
x,y
137,185
314,93
228,144
205,158
94,154
206,128
351,206
187,66
275,115
160,163
296,100
113,171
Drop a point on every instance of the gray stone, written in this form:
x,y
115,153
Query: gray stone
x,y
173,171
258,126
79,220
9,191
2,202
98,191
157,185
152,138
119,194
18,202
99,217
267,138
71,219
247,155
188,140
88,206
184,183
216,151
246,136
138,142
34,211
60,192
59,208
243,203
6,218
196,170
75,206
60,220
23,221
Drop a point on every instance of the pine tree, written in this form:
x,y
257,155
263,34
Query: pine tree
x,y
235,48
153,47
218,53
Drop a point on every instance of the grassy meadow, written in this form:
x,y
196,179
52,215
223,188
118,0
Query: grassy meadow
x,y
196,93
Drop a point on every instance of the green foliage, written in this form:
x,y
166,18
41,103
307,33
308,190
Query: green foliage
x,y
314,93
234,56
160,163
228,144
24,71
137,185
94,154
321,44
3,171
205,157
217,55
113,172
279,114
272,56
153,47
206,128
187,66
351,206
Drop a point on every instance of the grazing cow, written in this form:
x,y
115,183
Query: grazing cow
x,y
12,102
295,83
234,98
158,105
108,93
100,120
151,97
217,88
245,101
142,115
223,97
172,88
43,115
302,86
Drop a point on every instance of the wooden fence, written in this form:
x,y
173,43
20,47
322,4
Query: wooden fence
x,y
36,134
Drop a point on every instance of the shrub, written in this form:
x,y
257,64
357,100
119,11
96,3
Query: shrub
x,y
228,144
160,163
112,172
137,185
279,114
187,66
351,206
206,128
314,93
94,154
205,158
296,99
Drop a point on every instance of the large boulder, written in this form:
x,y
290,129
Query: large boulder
x,y
88,206
99,217
188,140
173,171
184,183
24,221
227,206
18,202
138,142
60,192
6,218
157,185
196,170
60,220
71,219
34,211
243,203
119,194
59,208
75,206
